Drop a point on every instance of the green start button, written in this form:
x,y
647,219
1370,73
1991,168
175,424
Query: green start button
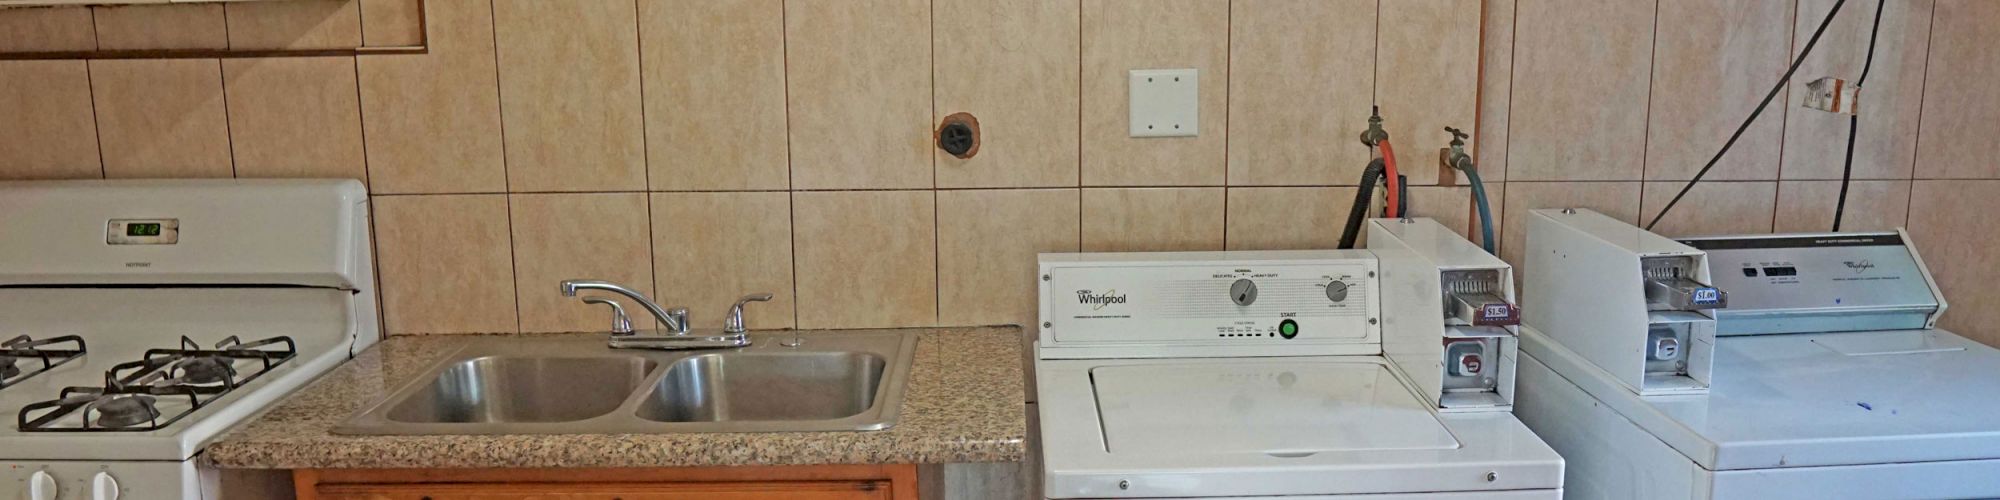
x,y
1288,329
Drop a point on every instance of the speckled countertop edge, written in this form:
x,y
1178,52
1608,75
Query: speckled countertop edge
x,y
964,403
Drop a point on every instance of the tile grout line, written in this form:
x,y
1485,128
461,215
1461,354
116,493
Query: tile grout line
x,y
1917,143
1228,68
1375,60
506,178
228,128
368,177
1785,125
937,262
226,42
361,122
1513,70
361,21
94,43
1080,94
1646,136
1513,48
791,184
646,157
96,127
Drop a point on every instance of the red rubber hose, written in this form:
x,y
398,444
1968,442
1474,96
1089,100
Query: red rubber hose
x,y
1394,182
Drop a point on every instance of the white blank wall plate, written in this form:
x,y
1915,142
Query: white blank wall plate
x,y
1164,102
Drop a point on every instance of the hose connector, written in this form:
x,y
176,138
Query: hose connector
x,y
1375,134
1456,158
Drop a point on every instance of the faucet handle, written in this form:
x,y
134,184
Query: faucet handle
x,y
621,324
680,316
734,322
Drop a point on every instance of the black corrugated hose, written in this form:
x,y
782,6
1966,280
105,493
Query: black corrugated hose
x,y
1362,198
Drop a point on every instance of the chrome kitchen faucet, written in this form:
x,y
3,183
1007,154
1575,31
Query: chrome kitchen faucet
x,y
675,321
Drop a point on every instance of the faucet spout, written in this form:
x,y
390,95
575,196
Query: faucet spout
x,y
670,321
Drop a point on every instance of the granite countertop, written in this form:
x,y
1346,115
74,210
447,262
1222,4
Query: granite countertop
x,y
964,403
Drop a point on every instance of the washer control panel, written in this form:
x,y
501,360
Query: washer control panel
x,y
1210,298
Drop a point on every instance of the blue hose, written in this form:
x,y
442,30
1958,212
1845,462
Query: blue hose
x,y
1485,214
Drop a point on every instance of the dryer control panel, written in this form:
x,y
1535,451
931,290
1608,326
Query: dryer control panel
x,y
1823,282
1270,303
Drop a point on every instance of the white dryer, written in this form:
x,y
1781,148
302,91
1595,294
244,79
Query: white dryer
x,y
1824,377
1264,374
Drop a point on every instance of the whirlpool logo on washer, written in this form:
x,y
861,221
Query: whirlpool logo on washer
x,y
1097,301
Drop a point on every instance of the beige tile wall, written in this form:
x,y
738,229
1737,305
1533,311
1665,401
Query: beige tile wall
x,y
148,30
702,149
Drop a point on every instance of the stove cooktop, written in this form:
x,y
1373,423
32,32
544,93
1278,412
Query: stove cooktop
x,y
24,357
159,388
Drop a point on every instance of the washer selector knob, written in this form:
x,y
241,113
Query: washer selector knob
x,y
1243,292
1336,291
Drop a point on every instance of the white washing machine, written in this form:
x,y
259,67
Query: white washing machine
x,y
1820,373
1380,374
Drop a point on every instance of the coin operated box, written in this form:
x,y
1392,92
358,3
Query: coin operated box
x,y
1636,304
1236,303
1451,314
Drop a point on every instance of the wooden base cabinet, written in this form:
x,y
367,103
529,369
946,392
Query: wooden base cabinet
x,y
816,482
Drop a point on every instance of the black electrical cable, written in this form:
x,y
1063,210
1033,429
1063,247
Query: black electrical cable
x,y
1361,200
1854,120
1814,41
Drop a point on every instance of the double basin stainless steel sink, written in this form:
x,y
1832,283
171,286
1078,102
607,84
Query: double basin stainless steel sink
x,y
829,382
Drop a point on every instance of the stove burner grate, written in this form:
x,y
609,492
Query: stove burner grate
x,y
40,356
130,398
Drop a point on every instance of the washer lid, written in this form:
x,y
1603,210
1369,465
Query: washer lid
x,y
1812,400
1261,406
1267,427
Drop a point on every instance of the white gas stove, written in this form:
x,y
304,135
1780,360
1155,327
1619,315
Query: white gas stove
x,y
140,320
1385,373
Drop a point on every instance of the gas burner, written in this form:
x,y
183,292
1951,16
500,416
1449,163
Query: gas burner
x,y
39,355
132,396
202,370
118,411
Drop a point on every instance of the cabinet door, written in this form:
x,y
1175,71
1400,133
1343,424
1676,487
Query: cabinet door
x,y
800,490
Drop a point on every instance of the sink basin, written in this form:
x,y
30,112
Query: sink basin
x,y
579,385
777,386
525,389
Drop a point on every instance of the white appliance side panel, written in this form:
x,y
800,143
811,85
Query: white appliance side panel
x,y
1960,479
1586,294
1609,457
1412,310
366,312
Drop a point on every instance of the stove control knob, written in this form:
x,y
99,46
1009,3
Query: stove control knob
x,y
103,487
41,486
1243,292
1336,291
